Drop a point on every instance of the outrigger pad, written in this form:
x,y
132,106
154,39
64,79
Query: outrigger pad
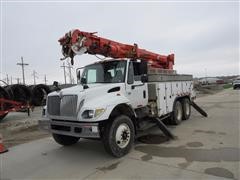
x,y
164,128
200,110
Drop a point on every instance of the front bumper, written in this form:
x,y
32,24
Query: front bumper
x,y
86,130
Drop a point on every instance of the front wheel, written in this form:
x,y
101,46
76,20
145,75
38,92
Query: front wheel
x,y
118,136
65,140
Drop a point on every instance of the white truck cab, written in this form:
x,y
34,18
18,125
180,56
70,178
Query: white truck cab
x,y
112,100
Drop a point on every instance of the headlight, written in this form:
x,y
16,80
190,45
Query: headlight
x,y
99,111
88,114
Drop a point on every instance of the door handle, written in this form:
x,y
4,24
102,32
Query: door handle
x,y
144,94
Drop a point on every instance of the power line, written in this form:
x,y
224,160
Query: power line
x,y
22,64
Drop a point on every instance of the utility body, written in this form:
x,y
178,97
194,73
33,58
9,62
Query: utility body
x,y
117,98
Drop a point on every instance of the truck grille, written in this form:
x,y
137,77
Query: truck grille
x,y
53,105
65,106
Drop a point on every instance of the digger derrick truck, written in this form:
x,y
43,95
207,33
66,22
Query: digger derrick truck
x,y
117,98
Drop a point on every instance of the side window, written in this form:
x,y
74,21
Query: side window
x,y
130,74
137,73
91,76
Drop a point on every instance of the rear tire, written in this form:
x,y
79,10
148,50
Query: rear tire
x,y
65,140
177,113
118,136
186,108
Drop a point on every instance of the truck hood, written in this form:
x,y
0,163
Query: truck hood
x,y
93,90
102,96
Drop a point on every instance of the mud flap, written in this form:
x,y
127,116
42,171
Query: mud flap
x,y
164,128
200,110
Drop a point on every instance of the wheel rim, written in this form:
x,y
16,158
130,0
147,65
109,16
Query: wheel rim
x,y
123,134
179,113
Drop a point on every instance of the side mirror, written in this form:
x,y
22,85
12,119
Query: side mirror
x,y
144,78
56,86
55,83
78,75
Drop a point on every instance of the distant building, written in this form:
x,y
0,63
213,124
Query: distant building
x,y
211,80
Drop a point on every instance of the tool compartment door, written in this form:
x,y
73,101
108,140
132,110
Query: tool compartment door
x,y
161,100
169,97
176,88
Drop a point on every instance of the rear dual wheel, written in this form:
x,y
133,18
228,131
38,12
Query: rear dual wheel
x,y
177,113
181,111
186,108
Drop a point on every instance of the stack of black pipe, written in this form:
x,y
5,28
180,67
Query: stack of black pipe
x,y
34,95
19,92
39,94
4,94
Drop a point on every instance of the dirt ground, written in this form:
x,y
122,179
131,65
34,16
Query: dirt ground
x,y
18,128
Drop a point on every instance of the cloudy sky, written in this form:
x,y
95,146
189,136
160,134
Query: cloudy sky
x,y
204,36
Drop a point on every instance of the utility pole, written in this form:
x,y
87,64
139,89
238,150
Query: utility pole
x,y
45,79
64,71
23,64
206,75
34,74
18,80
11,80
7,79
70,72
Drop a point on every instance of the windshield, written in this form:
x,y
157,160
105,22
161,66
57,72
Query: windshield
x,y
106,72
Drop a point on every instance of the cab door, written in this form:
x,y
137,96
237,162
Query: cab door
x,y
136,90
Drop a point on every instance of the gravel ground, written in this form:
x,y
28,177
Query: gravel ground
x,y
18,128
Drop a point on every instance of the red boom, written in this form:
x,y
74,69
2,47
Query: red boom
x,y
79,42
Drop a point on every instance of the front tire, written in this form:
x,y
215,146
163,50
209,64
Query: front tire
x,y
65,140
186,108
118,136
177,113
